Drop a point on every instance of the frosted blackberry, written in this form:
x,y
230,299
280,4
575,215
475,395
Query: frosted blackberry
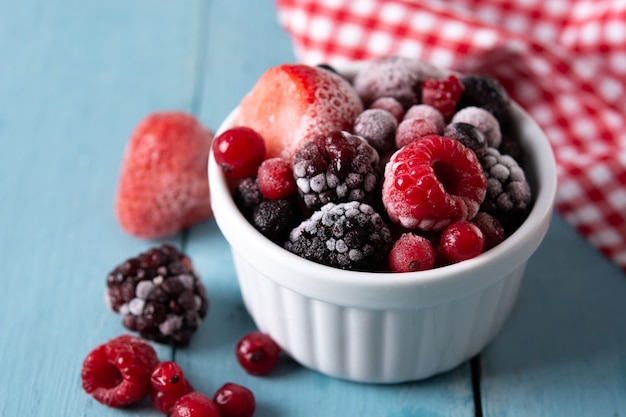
x,y
347,235
337,167
467,134
276,218
487,92
247,195
508,193
158,295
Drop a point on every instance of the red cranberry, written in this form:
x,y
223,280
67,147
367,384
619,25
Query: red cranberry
x,y
462,240
239,151
410,253
195,405
257,353
235,400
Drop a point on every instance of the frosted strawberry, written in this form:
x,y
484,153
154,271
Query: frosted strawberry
x,y
433,182
163,186
292,103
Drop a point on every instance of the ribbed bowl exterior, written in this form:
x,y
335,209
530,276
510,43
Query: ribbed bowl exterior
x,y
376,346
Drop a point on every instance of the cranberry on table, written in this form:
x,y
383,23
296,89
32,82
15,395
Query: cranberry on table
x,y
195,405
239,151
235,400
257,353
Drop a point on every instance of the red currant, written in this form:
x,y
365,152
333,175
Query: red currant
x,y
235,400
462,240
239,151
410,253
257,353
275,178
168,385
195,405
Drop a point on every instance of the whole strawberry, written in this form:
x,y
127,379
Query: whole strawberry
x,y
163,185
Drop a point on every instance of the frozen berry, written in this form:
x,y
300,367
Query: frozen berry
x,y
235,400
412,129
487,92
443,94
492,229
275,178
411,253
257,353
159,295
168,385
117,373
484,121
276,218
195,404
347,235
390,104
247,195
335,168
508,192
467,134
433,182
378,127
461,241
239,151
425,111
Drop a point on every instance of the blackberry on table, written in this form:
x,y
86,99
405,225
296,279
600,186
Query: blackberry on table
x,y
348,235
508,193
276,218
159,295
337,167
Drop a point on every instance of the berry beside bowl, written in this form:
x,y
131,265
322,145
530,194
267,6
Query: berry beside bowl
x,y
385,327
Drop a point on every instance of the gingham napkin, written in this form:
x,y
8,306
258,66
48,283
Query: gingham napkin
x,y
564,61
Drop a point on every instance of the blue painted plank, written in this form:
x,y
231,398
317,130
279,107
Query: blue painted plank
x,y
563,350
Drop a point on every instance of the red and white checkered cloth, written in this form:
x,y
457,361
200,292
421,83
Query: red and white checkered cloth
x,y
564,61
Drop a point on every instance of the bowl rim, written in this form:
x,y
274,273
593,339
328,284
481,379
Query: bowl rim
x,y
385,290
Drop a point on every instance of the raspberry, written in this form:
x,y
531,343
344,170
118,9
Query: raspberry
x,y
411,253
413,129
467,134
239,151
234,400
168,385
484,121
195,404
257,353
275,179
442,94
427,112
158,295
508,193
378,127
492,229
431,183
247,195
347,235
461,241
276,218
336,168
487,92
390,104
117,373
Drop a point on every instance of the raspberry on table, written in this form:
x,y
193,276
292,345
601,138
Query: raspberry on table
x,y
390,104
433,182
168,385
378,127
348,235
337,167
484,121
276,218
117,373
410,253
195,404
235,400
427,112
461,241
257,353
239,151
275,178
159,295
487,92
467,134
413,129
443,94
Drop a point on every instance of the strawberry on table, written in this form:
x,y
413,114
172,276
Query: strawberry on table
x,y
292,103
163,186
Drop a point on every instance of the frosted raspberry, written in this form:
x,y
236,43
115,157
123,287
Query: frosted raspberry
x,y
412,129
443,94
429,113
484,121
431,183
378,127
390,104
411,253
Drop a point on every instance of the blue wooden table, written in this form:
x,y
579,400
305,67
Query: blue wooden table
x,y
76,77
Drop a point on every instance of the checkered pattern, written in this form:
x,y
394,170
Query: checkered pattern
x,y
564,61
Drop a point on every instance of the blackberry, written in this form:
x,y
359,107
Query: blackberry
x,y
467,134
347,235
276,218
337,167
159,295
247,195
509,195
487,92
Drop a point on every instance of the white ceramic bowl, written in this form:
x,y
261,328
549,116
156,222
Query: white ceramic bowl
x,y
385,327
